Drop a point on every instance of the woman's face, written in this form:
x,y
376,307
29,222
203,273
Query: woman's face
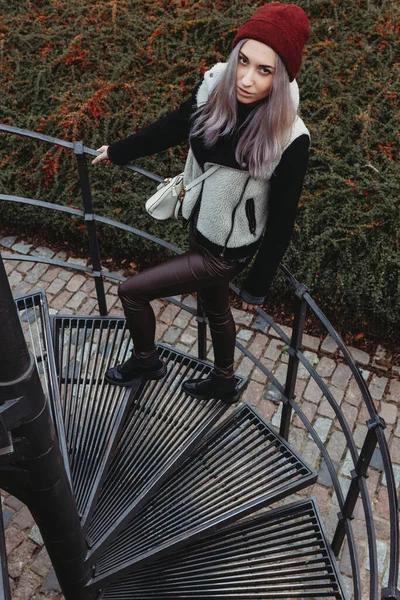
x,y
255,72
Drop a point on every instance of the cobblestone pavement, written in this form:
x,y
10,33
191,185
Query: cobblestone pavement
x,y
68,292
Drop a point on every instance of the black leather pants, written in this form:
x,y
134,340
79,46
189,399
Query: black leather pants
x,y
194,271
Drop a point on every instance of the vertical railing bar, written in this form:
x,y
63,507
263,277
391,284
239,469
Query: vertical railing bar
x,y
91,226
291,376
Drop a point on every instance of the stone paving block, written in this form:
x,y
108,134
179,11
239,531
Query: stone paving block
x,y
325,367
377,387
190,301
388,412
297,438
42,564
22,289
25,266
75,283
172,334
23,519
359,434
253,393
19,558
169,313
27,585
350,412
309,409
311,455
336,446
359,356
188,339
274,349
302,372
310,342
182,319
260,324
353,393
242,317
322,427
382,549
10,265
21,248
244,335
56,286
396,370
13,503
396,473
329,345
345,485
258,375
245,367
324,478
258,345
341,376
76,300
8,241
14,537
50,275
77,261
65,275
88,306
266,409
312,392
14,278
36,536
395,450
287,330
281,372
60,301
43,252
276,419
394,389
36,273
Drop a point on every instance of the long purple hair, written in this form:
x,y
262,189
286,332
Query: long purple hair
x,y
267,128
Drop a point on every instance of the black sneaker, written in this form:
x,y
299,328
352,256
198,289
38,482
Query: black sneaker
x,y
134,368
213,388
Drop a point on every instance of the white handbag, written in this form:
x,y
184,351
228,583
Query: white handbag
x,y
167,201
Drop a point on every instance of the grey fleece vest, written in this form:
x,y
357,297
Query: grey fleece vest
x,y
233,210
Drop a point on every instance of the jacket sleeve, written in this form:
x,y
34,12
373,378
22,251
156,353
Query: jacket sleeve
x,y
285,191
171,130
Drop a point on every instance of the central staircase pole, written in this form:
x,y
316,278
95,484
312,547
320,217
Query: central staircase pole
x,y
31,465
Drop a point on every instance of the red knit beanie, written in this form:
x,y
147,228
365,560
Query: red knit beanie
x,y
282,27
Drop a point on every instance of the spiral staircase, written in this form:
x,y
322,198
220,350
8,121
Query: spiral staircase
x,y
169,489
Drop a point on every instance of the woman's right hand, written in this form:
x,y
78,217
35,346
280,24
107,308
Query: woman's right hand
x,y
102,157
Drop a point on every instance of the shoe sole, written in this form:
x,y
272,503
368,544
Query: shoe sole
x,y
226,400
143,377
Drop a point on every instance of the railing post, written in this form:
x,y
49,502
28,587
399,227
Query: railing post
x,y
293,365
201,331
37,476
360,470
91,226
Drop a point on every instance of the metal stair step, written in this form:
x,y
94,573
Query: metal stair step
x,y
240,467
123,442
93,411
34,317
161,430
282,554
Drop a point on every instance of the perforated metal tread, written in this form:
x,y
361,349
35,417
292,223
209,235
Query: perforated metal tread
x,y
282,554
161,423
33,314
241,466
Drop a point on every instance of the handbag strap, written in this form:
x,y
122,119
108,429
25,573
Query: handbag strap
x,y
202,177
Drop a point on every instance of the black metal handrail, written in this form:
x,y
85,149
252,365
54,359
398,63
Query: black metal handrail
x,y
375,436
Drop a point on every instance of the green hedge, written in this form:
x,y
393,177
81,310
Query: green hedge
x,y
97,71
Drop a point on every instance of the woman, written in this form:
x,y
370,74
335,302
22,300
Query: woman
x,y
242,117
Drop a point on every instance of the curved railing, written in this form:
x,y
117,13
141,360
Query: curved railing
x,y
375,437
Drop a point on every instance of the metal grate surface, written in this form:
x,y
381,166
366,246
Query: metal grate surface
x,y
92,409
241,466
282,554
33,314
162,428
